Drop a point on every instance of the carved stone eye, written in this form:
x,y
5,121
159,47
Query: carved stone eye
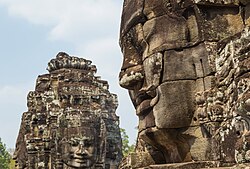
x,y
74,142
87,143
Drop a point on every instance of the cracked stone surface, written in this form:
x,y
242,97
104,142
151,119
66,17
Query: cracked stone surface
x,y
71,120
186,67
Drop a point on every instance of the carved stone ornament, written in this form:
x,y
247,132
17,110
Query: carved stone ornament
x,y
186,66
71,120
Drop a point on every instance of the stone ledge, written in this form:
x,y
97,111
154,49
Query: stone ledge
x,y
237,166
198,165
187,165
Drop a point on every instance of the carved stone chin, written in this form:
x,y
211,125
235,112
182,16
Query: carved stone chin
x,y
186,66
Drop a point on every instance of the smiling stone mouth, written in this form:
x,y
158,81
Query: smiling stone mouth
x,y
144,107
142,96
145,102
81,160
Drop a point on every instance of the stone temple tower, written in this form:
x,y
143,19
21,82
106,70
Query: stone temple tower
x,y
71,120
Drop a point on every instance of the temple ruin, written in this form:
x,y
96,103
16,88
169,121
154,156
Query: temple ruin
x,y
187,70
71,120
186,67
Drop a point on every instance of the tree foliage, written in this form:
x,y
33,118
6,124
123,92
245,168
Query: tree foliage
x,y
126,147
4,156
12,164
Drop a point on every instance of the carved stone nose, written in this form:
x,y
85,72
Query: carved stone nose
x,y
132,77
81,150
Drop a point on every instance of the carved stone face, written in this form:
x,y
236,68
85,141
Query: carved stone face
x,y
161,70
160,78
170,50
166,59
79,149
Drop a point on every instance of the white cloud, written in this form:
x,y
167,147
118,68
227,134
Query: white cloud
x,y
13,104
69,20
91,27
104,53
15,94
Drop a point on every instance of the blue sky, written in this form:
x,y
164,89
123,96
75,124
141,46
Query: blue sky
x,y
34,31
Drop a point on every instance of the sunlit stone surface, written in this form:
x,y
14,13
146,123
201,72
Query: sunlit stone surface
x,y
71,120
186,66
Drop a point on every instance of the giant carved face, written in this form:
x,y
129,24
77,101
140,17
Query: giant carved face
x,y
159,69
78,142
160,72
169,49
80,152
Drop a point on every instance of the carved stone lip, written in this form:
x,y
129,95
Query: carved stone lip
x,y
81,160
144,107
142,96
145,102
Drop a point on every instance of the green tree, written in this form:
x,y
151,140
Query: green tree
x,y
4,156
126,147
12,164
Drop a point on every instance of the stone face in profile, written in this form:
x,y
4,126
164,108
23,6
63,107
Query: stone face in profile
x,y
71,120
185,62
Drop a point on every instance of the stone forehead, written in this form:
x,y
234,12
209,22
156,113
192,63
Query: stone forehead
x,y
81,132
134,12
82,138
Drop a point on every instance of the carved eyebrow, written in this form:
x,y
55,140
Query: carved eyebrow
x,y
83,138
88,139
